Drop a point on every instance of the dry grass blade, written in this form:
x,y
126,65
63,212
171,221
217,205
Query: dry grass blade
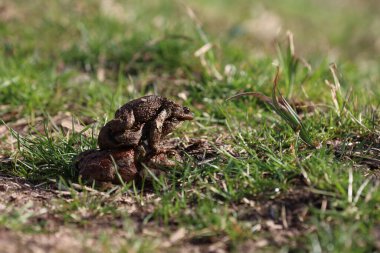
x,y
258,95
279,104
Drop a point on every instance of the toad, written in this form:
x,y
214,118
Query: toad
x,y
142,123
107,166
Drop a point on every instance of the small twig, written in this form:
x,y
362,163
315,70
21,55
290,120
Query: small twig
x,y
324,205
361,188
206,161
371,191
350,181
283,217
322,192
79,187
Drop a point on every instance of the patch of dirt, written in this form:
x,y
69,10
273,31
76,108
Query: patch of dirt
x,y
302,106
275,221
86,234
80,234
362,149
375,232
9,113
283,217
60,241
8,12
15,190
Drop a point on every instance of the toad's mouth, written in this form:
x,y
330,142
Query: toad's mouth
x,y
186,115
181,117
189,116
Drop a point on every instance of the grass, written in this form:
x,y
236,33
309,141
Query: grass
x,y
266,191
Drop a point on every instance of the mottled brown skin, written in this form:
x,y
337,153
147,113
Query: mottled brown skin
x,y
114,135
142,123
132,140
103,166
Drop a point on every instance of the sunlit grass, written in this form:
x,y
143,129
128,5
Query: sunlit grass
x,y
280,106
78,58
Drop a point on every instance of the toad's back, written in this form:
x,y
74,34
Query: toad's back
x,y
144,108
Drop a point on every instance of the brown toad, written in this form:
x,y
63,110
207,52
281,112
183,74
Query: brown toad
x,y
142,123
107,166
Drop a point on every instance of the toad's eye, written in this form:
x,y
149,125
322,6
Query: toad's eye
x,y
186,110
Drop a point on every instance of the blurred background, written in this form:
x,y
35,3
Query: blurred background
x,y
83,43
342,28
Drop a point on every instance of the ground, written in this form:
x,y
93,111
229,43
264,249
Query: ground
x,y
300,175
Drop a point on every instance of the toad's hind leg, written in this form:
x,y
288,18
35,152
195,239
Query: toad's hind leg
x,y
128,118
105,138
130,137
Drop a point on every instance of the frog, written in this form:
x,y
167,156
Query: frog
x,y
142,123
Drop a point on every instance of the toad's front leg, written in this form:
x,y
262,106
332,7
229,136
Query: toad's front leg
x,y
155,134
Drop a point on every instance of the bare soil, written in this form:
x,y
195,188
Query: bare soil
x,y
277,221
